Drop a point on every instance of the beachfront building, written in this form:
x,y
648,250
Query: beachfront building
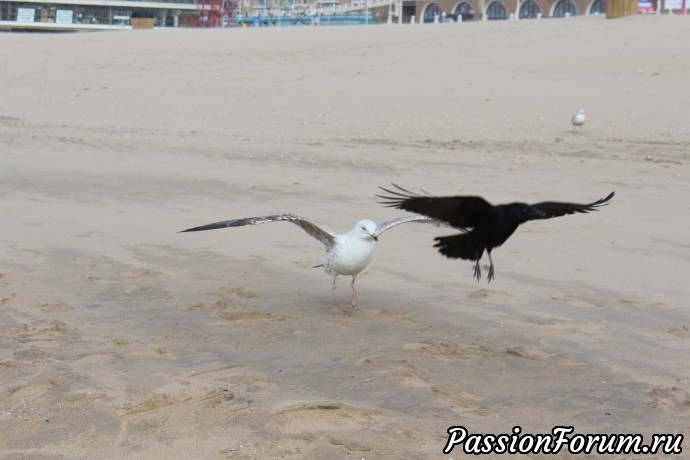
x,y
117,14
468,10
93,14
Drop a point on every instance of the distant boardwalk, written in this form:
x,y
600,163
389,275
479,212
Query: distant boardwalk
x,y
117,14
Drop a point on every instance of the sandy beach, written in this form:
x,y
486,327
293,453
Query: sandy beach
x,y
121,338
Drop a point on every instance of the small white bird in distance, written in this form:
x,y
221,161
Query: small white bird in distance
x,y
346,253
578,119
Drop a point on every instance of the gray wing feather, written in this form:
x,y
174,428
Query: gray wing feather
x,y
390,223
310,226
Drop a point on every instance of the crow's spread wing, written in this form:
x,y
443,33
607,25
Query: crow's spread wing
x,y
556,209
458,211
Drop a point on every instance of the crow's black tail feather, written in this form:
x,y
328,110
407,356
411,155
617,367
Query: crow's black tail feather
x,y
460,246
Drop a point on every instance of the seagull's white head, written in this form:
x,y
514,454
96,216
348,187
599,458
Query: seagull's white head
x,y
366,228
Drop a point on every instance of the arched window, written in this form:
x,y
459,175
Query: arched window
x,y
431,10
598,7
496,10
529,10
465,10
563,7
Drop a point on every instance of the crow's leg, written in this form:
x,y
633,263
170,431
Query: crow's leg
x,y
477,269
491,268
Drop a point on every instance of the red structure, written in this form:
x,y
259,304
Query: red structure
x,y
211,12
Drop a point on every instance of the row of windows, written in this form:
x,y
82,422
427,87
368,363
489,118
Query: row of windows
x,y
529,9
89,14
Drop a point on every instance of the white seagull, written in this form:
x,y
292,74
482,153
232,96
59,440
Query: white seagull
x,y
578,119
346,253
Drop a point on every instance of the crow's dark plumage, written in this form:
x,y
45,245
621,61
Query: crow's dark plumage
x,y
483,225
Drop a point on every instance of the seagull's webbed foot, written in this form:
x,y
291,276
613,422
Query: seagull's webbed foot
x,y
477,271
336,310
353,301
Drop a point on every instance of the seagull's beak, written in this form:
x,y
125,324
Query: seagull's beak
x,y
376,238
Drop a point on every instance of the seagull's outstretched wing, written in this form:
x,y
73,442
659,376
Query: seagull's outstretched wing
x,y
458,211
556,209
311,227
390,223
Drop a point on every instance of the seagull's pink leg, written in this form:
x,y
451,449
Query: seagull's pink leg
x,y
335,309
353,299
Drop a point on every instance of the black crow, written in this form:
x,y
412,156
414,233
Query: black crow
x,y
484,226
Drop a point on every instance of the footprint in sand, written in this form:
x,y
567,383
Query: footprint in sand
x,y
241,292
461,399
250,316
31,391
8,299
519,351
443,350
222,304
214,396
679,331
55,307
33,355
55,330
324,416
672,398
140,272
414,381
